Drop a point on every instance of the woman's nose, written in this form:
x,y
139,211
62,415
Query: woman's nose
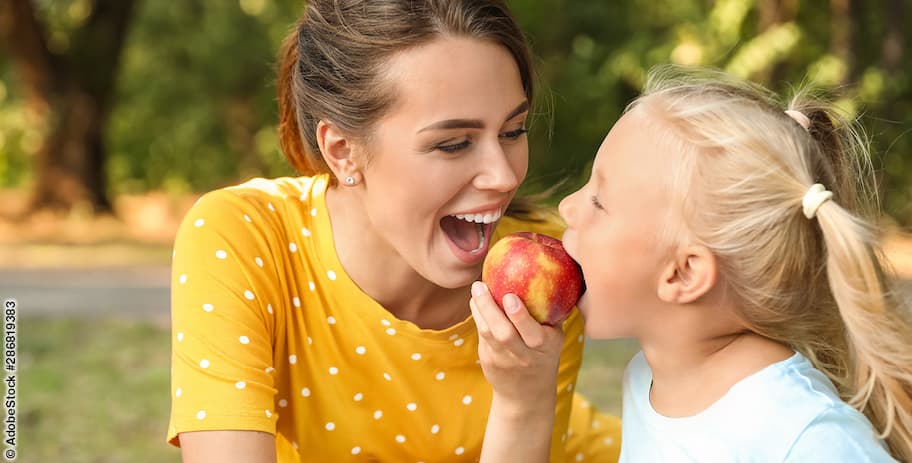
x,y
498,173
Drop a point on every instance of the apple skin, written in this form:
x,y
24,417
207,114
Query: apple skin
x,y
536,268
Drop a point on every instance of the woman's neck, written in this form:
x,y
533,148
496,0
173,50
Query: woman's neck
x,y
690,374
394,284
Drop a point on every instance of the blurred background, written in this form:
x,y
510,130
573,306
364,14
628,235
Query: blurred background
x,y
116,114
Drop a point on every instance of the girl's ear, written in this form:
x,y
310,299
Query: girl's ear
x,y
690,275
337,150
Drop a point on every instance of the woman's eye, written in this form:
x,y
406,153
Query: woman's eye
x,y
514,134
595,202
454,147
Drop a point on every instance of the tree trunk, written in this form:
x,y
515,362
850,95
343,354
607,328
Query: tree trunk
x,y
844,33
772,13
895,12
72,93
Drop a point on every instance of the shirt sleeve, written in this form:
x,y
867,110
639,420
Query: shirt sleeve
x,y
839,436
223,296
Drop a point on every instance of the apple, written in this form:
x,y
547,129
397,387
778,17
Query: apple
x,y
536,268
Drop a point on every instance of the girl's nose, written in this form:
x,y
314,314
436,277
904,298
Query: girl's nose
x,y
567,209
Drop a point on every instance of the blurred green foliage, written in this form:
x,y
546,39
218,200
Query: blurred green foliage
x,y
195,106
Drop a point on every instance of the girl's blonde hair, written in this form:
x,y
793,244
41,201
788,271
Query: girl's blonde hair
x,y
817,285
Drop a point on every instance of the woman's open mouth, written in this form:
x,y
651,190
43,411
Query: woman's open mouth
x,y
470,234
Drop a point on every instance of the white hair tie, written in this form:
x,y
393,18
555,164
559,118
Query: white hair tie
x,y
816,195
800,118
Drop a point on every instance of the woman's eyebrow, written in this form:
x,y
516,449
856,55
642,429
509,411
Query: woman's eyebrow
x,y
472,123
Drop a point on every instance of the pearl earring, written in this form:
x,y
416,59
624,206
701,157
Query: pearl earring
x,y
349,180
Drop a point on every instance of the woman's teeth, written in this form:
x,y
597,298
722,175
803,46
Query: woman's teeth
x,y
480,218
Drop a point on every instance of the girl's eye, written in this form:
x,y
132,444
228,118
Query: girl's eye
x,y
595,202
453,148
514,134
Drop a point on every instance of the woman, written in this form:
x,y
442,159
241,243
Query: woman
x,y
326,317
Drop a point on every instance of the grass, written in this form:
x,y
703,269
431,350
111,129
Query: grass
x,y
95,390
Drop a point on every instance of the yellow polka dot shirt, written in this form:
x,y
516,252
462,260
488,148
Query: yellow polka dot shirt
x,y
270,334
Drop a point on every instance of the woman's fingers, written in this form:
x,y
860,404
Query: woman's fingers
x,y
532,333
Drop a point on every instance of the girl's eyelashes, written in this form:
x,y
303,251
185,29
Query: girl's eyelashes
x,y
595,202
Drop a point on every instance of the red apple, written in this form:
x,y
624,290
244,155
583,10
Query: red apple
x,y
536,268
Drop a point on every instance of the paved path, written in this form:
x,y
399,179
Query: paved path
x,y
129,292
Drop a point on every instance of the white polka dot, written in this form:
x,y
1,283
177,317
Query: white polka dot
x,y
467,399
292,359
596,423
244,340
305,392
569,387
294,444
249,295
356,450
247,218
331,275
453,336
180,336
270,206
378,414
584,404
221,254
178,392
416,356
201,414
435,429
385,322
360,350
208,307
387,377
183,278
312,286
331,320
579,457
330,426
283,403
440,375
333,371
564,437
411,407
268,414
460,450
579,339
358,397
240,384
391,331
609,441
292,247
259,261
296,301
313,212
400,438
199,223
204,363
269,308
305,231
310,340
269,370
458,342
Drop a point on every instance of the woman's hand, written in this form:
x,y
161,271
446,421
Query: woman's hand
x,y
520,359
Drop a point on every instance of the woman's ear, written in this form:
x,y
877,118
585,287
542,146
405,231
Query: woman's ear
x,y
689,276
336,148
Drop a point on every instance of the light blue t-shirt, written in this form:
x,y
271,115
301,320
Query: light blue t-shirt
x,y
787,412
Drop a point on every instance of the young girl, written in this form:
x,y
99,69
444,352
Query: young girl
x,y
728,235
